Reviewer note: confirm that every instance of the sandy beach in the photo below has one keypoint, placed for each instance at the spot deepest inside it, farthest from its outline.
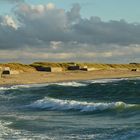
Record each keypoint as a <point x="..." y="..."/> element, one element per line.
<point x="46" y="77"/>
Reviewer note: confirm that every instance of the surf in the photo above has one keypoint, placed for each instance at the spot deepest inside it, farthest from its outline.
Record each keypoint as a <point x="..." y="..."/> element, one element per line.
<point x="71" y="84"/>
<point x="57" y="104"/>
<point x="104" y="81"/>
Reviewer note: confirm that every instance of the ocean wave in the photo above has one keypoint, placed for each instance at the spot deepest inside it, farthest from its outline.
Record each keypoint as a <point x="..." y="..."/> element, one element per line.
<point x="57" y="104"/>
<point x="102" y="81"/>
<point x="22" y="86"/>
<point x="129" y="135"/>
<point x="14" y="87"/>
<point x="81" y="137"/>
<point x="68" y="84"/>
<point x="8" y="133"/>
<point x="71" y="84"/>
<point x="5" y="131"/>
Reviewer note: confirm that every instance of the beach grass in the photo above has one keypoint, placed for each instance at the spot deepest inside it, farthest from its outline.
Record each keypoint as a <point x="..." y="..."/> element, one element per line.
<point x="65" y="65"/>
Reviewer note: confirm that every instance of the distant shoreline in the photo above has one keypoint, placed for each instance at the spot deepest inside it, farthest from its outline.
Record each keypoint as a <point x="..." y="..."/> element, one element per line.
<point x="52" y="77"/>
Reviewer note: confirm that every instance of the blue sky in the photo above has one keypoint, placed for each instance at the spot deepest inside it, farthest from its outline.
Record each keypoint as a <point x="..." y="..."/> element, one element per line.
<point x="105" y="31"/>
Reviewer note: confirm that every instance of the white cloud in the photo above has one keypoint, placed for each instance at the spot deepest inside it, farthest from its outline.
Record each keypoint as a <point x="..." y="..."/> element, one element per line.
<point x="39" y="8"/>
<point x="50" y="6"/>
<point x="48" y="32"/>
<point x="9" y="21"/>
<point x="55" y="44"/>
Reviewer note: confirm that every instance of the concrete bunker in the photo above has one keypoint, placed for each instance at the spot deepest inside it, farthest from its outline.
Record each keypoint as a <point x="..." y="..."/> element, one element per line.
<point x="5" y="71"/>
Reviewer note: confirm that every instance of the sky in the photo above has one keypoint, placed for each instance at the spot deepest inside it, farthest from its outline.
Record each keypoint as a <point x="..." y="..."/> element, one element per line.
<point x="98" y="31"/>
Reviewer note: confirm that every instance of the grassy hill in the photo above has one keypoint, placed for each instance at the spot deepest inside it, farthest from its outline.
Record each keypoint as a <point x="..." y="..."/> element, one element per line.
<point x="19" y="67"/>
<point x="95" y="65"/>
<point x="32" y="67"/>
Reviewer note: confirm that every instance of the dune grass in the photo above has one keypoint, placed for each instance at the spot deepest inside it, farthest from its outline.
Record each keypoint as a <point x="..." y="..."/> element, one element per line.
<point x="65" y="65"/>
<point x="90" y="65"/>
<point x="19" y="67"/>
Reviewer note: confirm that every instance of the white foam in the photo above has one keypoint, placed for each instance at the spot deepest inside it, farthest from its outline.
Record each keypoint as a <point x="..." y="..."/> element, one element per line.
<point x="72" y="84"/>
<point x="14" y="87"/>
<point x="81" y="136"/>
<point x="106" y="80"/>
<point x="9" y="133"/>
<point x="4" y="88"/>
<point x="22" y="87"/>
<point x="57" y="104"/>
<point x="5" y="131"/>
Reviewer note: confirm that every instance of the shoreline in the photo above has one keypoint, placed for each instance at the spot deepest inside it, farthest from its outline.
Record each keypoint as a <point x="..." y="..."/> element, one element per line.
<point x="44" y="77"/>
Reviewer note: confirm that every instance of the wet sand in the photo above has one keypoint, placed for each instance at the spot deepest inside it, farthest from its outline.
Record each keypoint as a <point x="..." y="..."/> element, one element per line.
<point x="46" y="77"/>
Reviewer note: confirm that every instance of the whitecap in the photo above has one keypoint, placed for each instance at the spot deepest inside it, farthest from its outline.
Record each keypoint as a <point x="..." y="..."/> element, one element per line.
<point x="106" y="80"/>
<point x="13" y="87"/>
<point x="5" y="131"/>
<point x="71" y="84"/>
<point x="22" y="86"/>
<point x="57" y="104"/>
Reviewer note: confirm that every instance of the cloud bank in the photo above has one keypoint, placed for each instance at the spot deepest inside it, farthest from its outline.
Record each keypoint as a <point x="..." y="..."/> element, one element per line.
<point x="45" y="32"/>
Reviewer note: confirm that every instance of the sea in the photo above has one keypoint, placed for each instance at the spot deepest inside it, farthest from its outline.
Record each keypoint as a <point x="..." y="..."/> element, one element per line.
<point x="104" y="109"/>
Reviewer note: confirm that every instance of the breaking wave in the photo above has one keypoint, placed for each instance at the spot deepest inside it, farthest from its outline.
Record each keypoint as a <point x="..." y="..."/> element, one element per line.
<point x="22" y="86"/>
<point x="72" y="84"/>
<point x="6" y="131"/>
<point x="107" y="80"/>
<point x="68" y="84"/>
<point x="14" y="87"/>
<point x="57" y="104"/>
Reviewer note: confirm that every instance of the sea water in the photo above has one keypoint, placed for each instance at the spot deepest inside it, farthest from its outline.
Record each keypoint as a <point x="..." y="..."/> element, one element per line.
<point x="105" y="109"/>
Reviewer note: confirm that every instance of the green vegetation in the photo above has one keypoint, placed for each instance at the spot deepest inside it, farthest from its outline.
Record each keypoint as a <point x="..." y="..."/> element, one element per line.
<point x="32" y="67"/>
